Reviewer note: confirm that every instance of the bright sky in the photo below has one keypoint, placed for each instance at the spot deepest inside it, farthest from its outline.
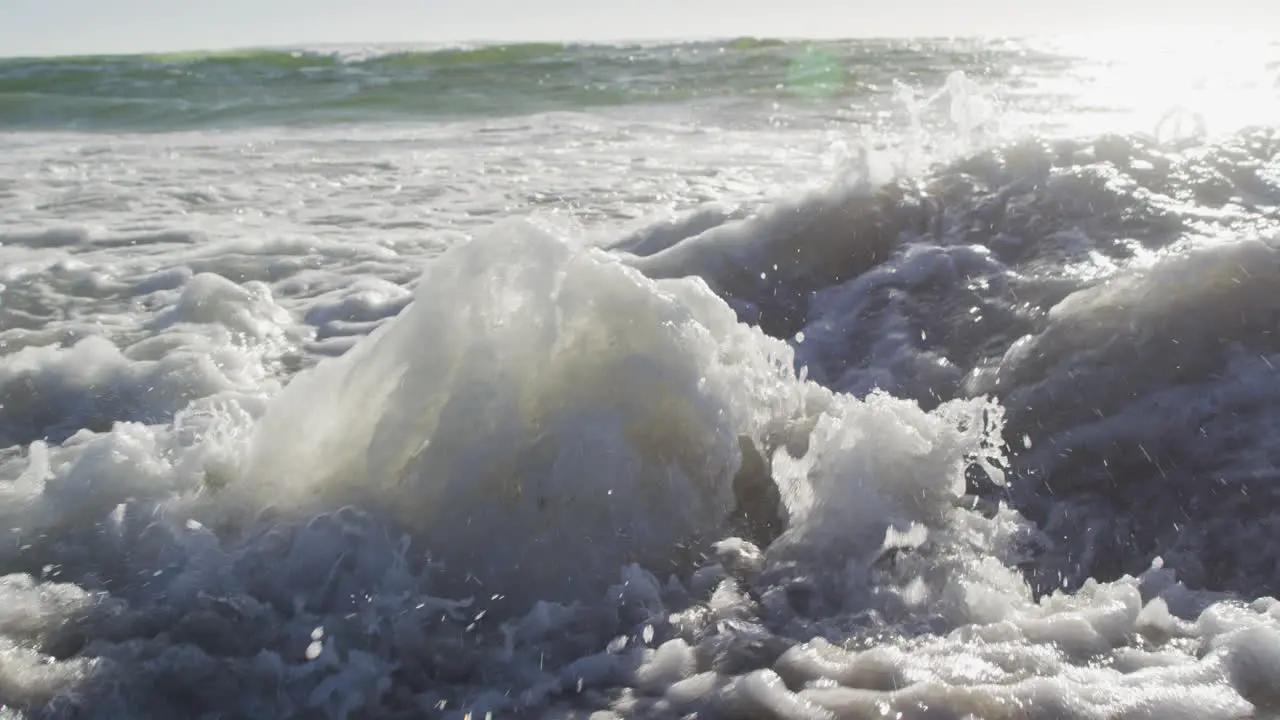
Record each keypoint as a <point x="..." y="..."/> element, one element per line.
<point x="59" y="27"/>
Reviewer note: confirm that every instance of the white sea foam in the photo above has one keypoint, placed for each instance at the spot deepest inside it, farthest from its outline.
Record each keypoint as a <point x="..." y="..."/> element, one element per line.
<point x="548" y="478"/>
<point x="486" y="422"/>
<point x="489" y="417"/>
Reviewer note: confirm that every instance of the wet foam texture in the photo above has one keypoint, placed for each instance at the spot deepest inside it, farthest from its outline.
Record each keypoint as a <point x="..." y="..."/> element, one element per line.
<point x="538" y="417"/>
<point x="558" y="481"/>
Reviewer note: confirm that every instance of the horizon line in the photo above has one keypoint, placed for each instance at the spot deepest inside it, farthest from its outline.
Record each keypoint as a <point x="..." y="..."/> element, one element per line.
<point x="476" y="43"/>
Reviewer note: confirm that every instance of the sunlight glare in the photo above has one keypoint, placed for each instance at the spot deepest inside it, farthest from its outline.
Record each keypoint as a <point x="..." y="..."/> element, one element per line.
<point x="1173" y="85"/>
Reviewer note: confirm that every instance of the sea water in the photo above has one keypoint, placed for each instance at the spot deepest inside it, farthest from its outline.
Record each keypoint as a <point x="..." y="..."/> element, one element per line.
<point x="724" y="379"/>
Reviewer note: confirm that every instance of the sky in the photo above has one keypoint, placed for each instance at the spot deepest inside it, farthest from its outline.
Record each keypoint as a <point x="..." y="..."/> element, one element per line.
<point x="66" y="27"/>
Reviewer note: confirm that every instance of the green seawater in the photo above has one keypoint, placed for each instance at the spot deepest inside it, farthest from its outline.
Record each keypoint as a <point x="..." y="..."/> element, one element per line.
<point x="177" y="91"/>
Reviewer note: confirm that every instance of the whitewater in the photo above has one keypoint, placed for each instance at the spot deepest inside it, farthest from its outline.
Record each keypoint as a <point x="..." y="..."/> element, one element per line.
<point x="723" y="379"/>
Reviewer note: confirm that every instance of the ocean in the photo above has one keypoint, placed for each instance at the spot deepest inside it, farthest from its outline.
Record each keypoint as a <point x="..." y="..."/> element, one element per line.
<point x="716" y="379"/>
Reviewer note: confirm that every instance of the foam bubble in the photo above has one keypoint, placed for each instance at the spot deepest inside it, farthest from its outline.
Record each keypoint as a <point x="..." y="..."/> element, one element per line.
<point x="490" y="419"/>
<point x="553" y="484"/>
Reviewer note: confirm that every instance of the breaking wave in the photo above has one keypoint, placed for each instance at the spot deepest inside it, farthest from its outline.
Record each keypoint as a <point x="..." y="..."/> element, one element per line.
<point x="995" y="441"/>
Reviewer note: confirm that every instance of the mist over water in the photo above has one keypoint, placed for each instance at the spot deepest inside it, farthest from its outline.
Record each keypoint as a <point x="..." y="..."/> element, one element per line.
<point x="730" y="380"/>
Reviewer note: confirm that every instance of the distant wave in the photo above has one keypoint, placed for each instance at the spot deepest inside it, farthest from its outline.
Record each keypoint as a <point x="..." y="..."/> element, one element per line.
<point x="292" y="86"/>
<point x="479" y="51"/>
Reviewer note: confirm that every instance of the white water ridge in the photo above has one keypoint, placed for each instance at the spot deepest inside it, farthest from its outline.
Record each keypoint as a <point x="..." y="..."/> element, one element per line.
<point x="490" y="419"/>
